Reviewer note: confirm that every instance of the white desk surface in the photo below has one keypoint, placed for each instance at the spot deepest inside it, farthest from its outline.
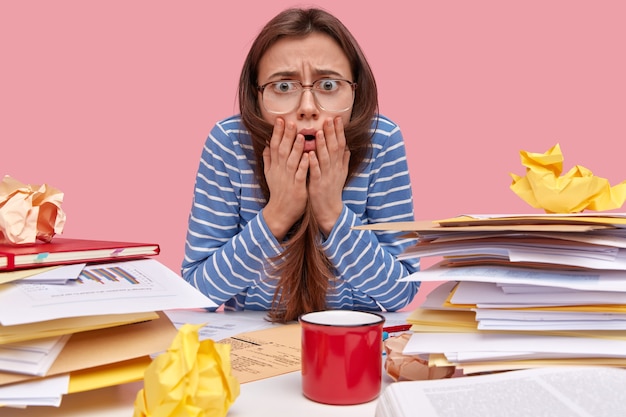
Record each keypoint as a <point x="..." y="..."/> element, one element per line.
<point x="277" y="396"/>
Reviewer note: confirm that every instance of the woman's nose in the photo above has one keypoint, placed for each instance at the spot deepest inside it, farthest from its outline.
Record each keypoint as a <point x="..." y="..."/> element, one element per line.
<point x="308" y="104"/>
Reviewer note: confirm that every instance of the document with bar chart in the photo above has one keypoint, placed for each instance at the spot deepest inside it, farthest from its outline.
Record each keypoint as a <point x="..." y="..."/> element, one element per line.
<point x="108" y="288"/>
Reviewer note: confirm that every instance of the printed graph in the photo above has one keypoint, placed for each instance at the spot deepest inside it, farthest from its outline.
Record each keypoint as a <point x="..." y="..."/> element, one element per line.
<point x="104" y="275"/>
<point x="98" y="281"/>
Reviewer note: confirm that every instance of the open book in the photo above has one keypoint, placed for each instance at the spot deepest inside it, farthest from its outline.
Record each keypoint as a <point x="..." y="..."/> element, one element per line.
<point x="587" y="391"/>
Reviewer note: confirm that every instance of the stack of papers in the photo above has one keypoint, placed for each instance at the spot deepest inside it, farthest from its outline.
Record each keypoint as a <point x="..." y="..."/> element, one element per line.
<point x="521" y="291"/>
<point x="68" y="326"/>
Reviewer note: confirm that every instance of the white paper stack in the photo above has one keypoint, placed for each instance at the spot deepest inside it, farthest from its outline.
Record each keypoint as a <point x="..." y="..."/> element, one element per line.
<point x="521" y="291"/>
<point x="85" y="326"/>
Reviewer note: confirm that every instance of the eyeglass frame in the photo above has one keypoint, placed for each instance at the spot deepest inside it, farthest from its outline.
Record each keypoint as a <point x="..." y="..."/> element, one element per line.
<point x="352" y="84"/>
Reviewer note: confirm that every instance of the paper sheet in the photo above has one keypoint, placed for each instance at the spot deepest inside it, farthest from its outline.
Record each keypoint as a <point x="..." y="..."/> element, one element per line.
<point x="485" y="294"/>
<point x="31" y="358"/>
<point x="135" y="286"/>
<point x="557" y="280"/>
<point x="191" y="378"/>
<point x="41" y="329"/>
<point x="265" y="353"/>
<point x="10" y="276"/>
<point x="578" y="190"/>
<point x="56" y="275"/>
<point x="40" y="392"/>
<point x="467" y="343"/>
<point x="219" y="325"/>
<point x="29" y="212"/>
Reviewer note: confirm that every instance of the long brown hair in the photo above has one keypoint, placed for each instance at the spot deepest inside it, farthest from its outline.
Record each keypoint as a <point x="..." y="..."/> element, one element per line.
<point x="304" y="272"/>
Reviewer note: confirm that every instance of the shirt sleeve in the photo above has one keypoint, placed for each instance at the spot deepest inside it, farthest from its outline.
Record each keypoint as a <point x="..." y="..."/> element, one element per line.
<point x="225" y="256"/>
<point x="367" y="259"/>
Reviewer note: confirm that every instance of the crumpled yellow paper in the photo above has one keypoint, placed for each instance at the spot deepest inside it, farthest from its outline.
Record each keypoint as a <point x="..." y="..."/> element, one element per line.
<point x="190" y="379"/>
<point x="402" y="367"/>
<point x="29" y="212"/>
<point x="543" y="186"/>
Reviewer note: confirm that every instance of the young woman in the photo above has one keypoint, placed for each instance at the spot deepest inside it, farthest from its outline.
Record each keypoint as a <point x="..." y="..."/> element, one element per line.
<point x="281" y="185"/>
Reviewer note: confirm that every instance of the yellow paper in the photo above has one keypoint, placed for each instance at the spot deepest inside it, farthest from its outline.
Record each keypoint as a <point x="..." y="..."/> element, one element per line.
<point x="578" y="190"/>
<point x="29" y="212"/>
<point x="108" y="375"/>
<point x="460" y="321"/>
<point x="69" y="325"/>
<point x="191" y="378"/>
<point x="427" y="318"/>
<point x="439" y="359"/>
<point x="10" y="276"/>
<point x="90" y="349"/>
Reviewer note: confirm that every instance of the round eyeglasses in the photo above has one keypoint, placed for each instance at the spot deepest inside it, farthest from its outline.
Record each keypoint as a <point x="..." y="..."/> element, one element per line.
<point x="333" y="95"/>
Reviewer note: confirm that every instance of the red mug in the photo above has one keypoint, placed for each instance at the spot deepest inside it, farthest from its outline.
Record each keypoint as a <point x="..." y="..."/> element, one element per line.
<point x="341" y="356"/>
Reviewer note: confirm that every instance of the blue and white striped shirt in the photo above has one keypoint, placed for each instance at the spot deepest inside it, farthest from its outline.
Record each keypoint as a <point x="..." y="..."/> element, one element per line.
<point x="228" y="244"/>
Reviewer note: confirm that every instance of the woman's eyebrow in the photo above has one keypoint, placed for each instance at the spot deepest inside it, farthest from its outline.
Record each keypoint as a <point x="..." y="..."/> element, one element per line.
<point x="328" y="72"/>
<point x="283" y="74"/>
<point x="296" y="74"/>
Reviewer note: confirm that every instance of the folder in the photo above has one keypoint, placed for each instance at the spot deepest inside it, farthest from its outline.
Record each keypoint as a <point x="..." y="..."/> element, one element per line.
<point x="601" y="219"/>
<point x="108" y="375"/>
<point x="62" y="251"/>
<point x="112" y="345"/>
<point x="69" y="325"/>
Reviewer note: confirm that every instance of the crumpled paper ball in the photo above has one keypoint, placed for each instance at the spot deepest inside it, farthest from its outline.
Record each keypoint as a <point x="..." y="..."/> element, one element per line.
<point x="190" y="379"/>
<point x="543" y="186"/>
<point x="402" y="367"/>
<point x="29" y="212"/>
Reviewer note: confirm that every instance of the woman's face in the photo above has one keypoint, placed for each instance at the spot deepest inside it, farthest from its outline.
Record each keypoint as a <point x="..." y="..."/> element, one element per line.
<point x="307" y="60"/>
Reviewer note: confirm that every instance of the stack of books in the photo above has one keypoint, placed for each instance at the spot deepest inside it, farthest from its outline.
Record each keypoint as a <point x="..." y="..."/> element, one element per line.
<point x="520" y="291"/>
<point x="79" y="314"/>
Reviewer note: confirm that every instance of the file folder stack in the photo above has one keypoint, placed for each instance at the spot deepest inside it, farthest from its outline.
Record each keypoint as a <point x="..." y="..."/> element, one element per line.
<point x="77" y="315"/>
<point x="521" y="291"/>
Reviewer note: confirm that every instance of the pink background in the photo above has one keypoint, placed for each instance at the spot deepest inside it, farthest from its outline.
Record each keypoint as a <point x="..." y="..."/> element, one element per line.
<point x="111" y="101"/>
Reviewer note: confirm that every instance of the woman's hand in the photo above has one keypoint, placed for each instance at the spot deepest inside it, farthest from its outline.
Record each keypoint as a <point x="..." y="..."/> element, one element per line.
<point x="285" y="169"/>
<point x="328" y="173"/>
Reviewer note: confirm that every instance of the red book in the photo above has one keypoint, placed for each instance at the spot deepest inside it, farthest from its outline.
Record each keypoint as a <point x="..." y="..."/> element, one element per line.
<point x="62" y="251"/>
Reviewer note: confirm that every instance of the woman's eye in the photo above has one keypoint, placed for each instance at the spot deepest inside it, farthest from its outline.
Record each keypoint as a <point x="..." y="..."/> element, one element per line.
<point x="283" y="87"/>
<point x="328" y="85"/>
